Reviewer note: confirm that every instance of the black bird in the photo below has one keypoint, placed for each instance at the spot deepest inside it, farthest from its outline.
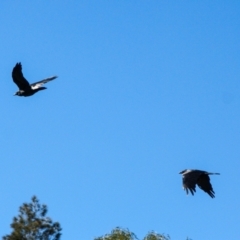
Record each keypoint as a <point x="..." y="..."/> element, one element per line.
<point x="201" y="178"/>
<point x="26" y="89"/>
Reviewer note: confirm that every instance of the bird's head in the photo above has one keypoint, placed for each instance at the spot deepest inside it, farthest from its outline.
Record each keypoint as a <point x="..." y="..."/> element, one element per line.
<point x="183" y="171"/>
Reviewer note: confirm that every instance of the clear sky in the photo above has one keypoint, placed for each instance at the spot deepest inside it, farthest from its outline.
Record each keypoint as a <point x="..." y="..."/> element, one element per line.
<point x="145" y="90"/>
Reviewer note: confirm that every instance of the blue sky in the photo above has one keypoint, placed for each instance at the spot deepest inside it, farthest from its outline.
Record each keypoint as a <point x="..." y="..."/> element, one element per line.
<point x="145" y="90"/>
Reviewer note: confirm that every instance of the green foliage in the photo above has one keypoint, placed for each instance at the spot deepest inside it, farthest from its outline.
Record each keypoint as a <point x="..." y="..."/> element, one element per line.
<point x="156" y="236"/>
<point x="125" y="234"/>
<point x="118" y="234"/>
<point x="32" y="224"/>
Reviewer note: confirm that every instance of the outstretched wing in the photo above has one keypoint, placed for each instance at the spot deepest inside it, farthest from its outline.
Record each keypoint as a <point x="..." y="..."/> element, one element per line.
<point x="37" y="85"/>
<point x="189" y="182"/>
<point x="204" y="183"/>
<point x="19" y="79"/>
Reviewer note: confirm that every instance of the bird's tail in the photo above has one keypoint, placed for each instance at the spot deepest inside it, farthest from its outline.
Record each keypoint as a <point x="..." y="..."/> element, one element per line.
<point x="50" y="78"/>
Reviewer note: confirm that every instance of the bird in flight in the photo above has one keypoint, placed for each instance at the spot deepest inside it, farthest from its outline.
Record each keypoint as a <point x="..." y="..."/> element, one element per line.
<point x="201" y="178"/>
<point x="26" y="89"/>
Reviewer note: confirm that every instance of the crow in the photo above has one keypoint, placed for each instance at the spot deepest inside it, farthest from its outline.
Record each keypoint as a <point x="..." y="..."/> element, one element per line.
<point x="192" y="177"/>
<point x="26" y="89"/>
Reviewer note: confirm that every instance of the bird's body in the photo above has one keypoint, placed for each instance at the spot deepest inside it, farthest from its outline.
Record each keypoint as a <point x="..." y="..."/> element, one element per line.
<point x="201" y="178"/>
<point x="26" y="89"/>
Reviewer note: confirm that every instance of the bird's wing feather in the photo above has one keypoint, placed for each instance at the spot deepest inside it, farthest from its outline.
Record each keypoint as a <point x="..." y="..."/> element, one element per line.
<point x="18" y="77"/>
<point x="189" y="182"/>
<point x="204" y="183"/>
<point x="38" y="84"/>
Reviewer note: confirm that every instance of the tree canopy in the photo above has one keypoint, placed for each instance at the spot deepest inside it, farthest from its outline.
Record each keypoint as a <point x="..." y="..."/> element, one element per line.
<point x="32" y="223"/>
<point x="125" y="234"/>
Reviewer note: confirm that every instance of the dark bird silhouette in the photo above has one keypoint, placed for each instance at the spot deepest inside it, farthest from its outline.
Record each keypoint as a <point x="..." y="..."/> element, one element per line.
<point x="201" y="178"/>
<point x="26" y="89"/>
